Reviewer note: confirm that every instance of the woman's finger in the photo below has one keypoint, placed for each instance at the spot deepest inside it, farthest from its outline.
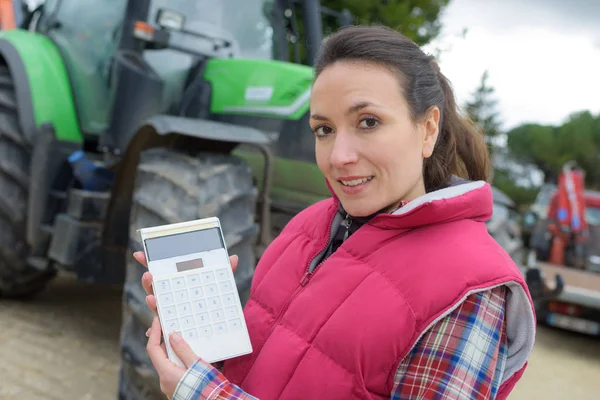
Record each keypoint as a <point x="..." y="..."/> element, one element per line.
<point x="182" y="349"/>
<point x="147" y="282"/>
<point x="157" y="354"/>
<point x="234" y="260"/>
<point x="151" y="302"/>
<point x="141" y="258"/>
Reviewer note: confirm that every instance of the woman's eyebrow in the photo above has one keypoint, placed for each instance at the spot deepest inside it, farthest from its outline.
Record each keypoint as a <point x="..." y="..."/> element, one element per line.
<point x="318" y="117"/>
<point x="351" y="110"/>
<point x="357" y="107"/>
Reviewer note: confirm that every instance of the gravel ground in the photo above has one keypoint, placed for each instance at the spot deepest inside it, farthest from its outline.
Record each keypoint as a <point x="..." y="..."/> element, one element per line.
<point x="65" y="344"/>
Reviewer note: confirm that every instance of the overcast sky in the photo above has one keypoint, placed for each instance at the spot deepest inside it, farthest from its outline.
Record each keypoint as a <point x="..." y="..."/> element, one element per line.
<point x="543" y="56"/>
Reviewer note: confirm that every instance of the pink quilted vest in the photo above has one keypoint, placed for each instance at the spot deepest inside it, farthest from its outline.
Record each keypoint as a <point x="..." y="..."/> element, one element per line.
<point x="341" y="331"/>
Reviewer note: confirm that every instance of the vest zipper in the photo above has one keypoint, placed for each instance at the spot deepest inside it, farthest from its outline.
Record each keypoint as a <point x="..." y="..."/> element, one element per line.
<point x="305" y="278"/>
<point x="308" y="274"/>
<point x="347" y="222"/>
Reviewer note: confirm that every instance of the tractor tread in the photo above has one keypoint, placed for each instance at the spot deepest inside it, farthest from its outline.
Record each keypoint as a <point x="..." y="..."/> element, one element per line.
<point x="17" y="278"/>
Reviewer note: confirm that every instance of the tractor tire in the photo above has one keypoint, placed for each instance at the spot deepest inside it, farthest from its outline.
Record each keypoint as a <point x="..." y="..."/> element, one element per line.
<point x="173" y="187"/>
<point x="18" y="280"/>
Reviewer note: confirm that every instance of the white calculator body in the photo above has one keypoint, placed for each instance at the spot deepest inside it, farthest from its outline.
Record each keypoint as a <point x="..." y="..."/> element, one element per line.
<point x="195" y="289"/>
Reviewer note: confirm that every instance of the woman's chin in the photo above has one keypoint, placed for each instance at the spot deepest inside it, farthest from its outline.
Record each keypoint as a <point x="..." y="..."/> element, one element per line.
<point x="359" y="208"/>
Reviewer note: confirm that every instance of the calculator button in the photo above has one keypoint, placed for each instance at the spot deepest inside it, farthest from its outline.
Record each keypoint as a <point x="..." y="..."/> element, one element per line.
<point x="202" y="318"/>
<point x="186" y="322"/>
<point x="181" y="295"/>
<point x="200" y="305"/>
<point x="221" y="327"/>
<point x="190" y="334"/>
<point x="184" y="309"/>
<point x="225" y="286"/>
<point x="162" y="286"/>
<point x="205" y="331"/>
<point x="196" y="293"/>
<point x="217" y="315"/>
<point x="169" y="312"/>
<point x="214" y="302"/>
<point x="235" y="324"/>
<point x="166" y="299"/>
<point x="222" y="274"/>
<point x="211" y="290"/>
<point x="172" y="325"/>
<point x="193" y="280"/>
<point x="231" y="312"/>
<point x="228" y="299"/>
<point x="178" y="283"/>
<point x="208" y="277"/>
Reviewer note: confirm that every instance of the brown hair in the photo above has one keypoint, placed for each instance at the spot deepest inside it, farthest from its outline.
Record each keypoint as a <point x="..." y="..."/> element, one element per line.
<point x="460" y="148"/>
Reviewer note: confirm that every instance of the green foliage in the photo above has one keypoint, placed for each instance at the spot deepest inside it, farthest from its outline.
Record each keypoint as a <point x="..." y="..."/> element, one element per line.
<point x="522" y="196"/>
<point x="417" y="19"/>
<point x="549" y="147"/>
<point x="482" y="110"/>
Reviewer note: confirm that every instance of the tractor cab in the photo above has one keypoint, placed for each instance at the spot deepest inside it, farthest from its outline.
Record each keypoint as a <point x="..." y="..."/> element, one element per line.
<point x="156" y="49"/>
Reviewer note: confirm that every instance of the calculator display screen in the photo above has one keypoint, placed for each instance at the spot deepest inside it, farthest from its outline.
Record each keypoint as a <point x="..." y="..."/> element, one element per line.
<point x="182" y="244"/>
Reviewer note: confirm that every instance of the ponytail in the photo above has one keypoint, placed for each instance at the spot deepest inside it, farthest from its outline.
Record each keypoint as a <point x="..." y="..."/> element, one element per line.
<point x="460" y="149"/>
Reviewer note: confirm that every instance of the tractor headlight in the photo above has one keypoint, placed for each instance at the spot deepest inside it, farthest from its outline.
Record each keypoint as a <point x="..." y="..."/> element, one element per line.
<point x="169" y="19"/>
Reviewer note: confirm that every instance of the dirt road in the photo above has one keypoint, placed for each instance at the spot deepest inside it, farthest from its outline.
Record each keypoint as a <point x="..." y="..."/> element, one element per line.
<point x="62" y="345"/>
<point x="65" y="345"/>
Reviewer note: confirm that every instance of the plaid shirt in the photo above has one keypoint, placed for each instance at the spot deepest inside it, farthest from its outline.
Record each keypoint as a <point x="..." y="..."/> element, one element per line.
<point x="461" y="357"/>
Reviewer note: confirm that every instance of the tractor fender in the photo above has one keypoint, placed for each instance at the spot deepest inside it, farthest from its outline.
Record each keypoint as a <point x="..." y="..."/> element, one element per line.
<point x="182" y="133"/>
<point x="42" y="85"/>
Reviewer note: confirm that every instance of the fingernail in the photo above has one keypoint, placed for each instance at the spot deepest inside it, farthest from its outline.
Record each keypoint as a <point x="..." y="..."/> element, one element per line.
<point x="176" y="336"/>
<point x="148" y="332"/>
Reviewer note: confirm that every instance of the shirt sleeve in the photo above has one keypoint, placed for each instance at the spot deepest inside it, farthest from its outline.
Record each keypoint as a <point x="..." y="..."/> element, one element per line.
<point x="462" y="356"/>
<point x="203" y="381"/>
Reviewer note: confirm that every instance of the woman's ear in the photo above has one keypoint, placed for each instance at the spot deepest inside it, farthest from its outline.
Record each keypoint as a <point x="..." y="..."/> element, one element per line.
<point x="431" y="129"/>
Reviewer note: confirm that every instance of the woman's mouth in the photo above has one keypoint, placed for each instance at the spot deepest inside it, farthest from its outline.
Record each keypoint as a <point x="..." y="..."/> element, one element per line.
<point x="354" y="184"/>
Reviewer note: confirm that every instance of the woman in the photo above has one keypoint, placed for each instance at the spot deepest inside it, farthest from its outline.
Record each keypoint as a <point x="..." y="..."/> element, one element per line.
<point x="392" y="288"/>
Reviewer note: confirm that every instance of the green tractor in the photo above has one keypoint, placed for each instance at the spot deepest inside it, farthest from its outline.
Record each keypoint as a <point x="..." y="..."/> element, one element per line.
<point x="121" y="114"/>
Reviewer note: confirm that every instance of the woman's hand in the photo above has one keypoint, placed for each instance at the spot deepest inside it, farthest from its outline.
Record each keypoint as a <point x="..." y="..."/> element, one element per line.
<point x="169" y="373"/>
<point x="147" y="278"/>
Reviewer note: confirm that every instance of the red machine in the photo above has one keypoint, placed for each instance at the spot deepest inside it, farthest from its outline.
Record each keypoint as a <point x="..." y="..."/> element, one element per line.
<point x="7" y="15"/>
<point x="567" y="216"/>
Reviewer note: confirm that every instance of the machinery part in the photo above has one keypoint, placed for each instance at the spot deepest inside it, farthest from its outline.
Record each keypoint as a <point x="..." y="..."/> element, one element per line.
<point x="173" y="187"/>
<point x="8" y="15"/>
<point x="41" y="84"/>
<point x="17" y="278"/>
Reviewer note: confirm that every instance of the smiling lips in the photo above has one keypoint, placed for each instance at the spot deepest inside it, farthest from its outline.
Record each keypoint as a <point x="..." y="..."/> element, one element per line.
<point x="354" y="184"/>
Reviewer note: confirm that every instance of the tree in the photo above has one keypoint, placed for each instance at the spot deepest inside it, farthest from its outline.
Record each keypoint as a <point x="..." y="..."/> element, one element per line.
<point x="482" y="110"/>
<point x="549" y="147"/>
<point x="416" y="19"/>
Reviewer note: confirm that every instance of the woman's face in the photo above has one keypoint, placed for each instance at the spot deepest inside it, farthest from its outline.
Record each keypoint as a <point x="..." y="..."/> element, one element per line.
<point x="367" y="146"/>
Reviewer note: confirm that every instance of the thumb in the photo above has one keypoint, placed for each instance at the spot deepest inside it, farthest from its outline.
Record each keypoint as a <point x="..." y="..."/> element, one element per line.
<point x="182" y="349"/>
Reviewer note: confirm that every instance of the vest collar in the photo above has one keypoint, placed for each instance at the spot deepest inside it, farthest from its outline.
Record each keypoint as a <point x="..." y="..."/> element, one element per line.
<point x="459" y="199"/>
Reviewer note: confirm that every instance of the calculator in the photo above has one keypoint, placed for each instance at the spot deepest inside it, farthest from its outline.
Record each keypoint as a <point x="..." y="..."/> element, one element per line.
<point x="195" y="290"/>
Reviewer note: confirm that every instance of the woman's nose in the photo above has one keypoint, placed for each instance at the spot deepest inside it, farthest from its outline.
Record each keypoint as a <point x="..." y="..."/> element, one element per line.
<point x="344" y="151"/>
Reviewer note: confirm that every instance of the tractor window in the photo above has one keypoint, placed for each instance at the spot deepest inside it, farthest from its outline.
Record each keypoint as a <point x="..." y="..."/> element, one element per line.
<point x="87" y="36"/>
<point x="245" y="22"/>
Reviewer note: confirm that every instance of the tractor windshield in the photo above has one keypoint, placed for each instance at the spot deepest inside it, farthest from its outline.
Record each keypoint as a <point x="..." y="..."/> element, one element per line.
<point x="246" y="22"/>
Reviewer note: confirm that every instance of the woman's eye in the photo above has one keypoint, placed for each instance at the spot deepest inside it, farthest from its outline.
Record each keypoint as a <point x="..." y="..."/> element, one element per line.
<point x="323" y="130"/>
<point x="368" y="123"/>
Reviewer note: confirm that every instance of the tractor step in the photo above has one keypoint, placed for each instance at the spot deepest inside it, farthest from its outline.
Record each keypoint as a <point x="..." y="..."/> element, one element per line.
<point x="72" y="239"/>
<point x="86" y="205"/>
